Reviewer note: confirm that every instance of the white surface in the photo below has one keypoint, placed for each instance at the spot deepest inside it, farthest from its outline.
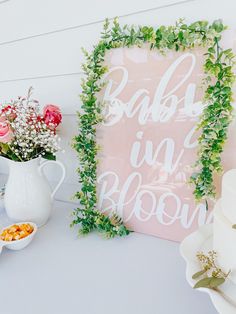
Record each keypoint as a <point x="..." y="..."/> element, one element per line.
<point x="201" y="240"/>
<point x="48" y="50"/>
<point x="61" y="274"/>
<point x="224" y="240"/>
<point x="228" y="198"/>
<point x="69" y="13"/>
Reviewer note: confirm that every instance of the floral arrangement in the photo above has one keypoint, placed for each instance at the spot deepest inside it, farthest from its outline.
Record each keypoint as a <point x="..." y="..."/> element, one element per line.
<point x="211" y="275"/>
<point x="25" y="132"/>
<point x="214" y="122"/>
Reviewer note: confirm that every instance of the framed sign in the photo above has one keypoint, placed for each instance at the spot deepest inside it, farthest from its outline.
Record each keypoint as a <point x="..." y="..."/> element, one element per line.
<point x="147" y="129"/>
<point x="149" y="141"/>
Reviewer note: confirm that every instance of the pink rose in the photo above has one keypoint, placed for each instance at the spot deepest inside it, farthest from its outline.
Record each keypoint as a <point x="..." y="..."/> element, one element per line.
<point x="6" y="133"/>
<point x="52" y="116"/>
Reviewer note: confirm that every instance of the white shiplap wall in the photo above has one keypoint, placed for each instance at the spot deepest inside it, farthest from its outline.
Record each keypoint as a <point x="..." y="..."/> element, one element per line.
<point x="40" y="46"/>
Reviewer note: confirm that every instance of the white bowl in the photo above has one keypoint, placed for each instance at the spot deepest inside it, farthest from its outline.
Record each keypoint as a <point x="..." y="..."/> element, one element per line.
<point x="201" y="240"/>
<point x="19" y="244"/>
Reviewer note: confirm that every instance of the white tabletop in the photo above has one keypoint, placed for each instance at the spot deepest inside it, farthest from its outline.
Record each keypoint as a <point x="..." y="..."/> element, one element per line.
<point x="61" y="274"/>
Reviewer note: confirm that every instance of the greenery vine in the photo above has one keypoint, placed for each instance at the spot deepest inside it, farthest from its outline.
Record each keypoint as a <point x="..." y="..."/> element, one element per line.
<point x="214" y="121"/>
<point x="216" y="116"/>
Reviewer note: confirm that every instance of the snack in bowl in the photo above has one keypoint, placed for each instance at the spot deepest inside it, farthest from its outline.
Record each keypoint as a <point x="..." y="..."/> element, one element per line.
<point x="18" y="235"/>
<point x="16" y="232"/>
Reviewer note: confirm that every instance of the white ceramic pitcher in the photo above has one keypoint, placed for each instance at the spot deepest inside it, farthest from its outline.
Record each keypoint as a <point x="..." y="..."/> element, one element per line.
<point x="28" y="195"/>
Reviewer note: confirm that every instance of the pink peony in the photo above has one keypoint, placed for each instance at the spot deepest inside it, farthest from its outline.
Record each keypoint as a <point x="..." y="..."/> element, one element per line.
<point x="6" y="133"/>
<point x="52" y="116"/>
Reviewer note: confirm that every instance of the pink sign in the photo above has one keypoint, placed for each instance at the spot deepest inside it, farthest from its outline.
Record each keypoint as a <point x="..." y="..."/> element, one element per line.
<point x="148" y="141"/>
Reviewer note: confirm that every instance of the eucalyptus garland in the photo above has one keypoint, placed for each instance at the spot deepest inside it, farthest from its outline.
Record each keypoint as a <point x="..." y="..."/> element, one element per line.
<point x="214" y="121"/>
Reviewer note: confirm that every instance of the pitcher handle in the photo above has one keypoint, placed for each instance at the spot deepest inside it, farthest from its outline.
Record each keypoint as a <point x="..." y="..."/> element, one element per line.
<point x="62" y="176"/>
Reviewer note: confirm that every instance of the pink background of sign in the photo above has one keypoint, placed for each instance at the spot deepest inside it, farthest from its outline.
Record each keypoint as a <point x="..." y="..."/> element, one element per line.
<point x="178" y="214"/>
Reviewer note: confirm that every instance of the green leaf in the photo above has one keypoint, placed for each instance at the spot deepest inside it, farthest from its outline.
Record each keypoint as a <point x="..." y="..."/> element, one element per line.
<point x="49" y="156"/>
<point x="211" y="50"/>
<point x="215" y="282"/>
<point x="198" y="274"/>
<point x="4" y="148"/>
<point x="218" y="26"/>
<point x="203" y="283"/>
<point x="181" y="35"/>
<point x="209" y="282"/>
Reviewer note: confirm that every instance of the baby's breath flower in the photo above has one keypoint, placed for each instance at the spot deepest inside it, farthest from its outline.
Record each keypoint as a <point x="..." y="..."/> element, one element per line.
<point x="32" y="136"/>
